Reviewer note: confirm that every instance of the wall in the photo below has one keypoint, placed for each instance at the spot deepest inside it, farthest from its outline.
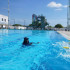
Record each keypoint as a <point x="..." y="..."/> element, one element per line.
<point x="3" y="19"/>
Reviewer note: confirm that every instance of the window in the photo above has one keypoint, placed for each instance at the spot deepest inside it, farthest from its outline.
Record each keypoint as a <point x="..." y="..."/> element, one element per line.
<point x="2" y="19"/>
<point x="5" y="20"/>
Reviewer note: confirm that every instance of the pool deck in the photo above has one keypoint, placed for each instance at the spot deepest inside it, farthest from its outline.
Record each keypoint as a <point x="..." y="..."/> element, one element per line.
<point x="66" y="34"/>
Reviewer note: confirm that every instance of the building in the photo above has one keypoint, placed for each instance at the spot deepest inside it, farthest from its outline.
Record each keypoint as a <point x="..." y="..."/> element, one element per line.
<point x="3" y="21"/>
<point x="29" y="28"/>
<point x="20" y="27"/>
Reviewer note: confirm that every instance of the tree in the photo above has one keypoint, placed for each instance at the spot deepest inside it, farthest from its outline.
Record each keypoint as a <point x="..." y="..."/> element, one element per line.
<point x="50" y="26"/>
<point x="39" y="25"/>
<point x="46" y="23"/>
<point x="30" y="24"/>
<point x="39" y="22"/>
<point x="17" y="25"/>
<point x="58" y="26"/>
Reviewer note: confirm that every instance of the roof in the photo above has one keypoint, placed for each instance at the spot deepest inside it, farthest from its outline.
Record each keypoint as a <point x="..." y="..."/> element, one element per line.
<point x="3" y="15"/>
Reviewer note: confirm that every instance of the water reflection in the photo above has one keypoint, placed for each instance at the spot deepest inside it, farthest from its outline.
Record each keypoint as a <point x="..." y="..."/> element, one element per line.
<point x="3" y="30"/>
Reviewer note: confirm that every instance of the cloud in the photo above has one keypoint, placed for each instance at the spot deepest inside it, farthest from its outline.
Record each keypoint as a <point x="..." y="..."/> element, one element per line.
<point x="54" y="5"/>
<point x="57" y="6"/>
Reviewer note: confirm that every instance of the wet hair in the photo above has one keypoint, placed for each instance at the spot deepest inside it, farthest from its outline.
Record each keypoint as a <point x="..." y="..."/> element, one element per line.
<point x="26" y="41"/>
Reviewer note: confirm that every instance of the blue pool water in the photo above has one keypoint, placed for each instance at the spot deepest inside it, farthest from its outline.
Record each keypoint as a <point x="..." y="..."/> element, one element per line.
<point x="49" y="54"/>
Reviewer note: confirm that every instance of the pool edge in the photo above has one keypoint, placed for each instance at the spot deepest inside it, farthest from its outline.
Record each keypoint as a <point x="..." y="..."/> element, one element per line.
<point x="63" y="34"/>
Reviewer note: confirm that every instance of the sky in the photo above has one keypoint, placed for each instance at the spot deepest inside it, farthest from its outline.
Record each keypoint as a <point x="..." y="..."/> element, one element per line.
<point x="55" y="11"/>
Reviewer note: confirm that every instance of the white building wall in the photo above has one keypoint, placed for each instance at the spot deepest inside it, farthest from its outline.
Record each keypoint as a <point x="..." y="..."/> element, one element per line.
<point x="19" y="27"/>
<point x="3" y="19"/>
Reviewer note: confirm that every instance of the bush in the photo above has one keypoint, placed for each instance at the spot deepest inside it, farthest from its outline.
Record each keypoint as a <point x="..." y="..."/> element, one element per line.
<point x="58" y="26"/>
<point x="17" y="25"/>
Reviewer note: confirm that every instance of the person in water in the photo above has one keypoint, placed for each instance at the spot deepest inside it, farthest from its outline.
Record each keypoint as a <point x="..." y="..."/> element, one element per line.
<point x="26" y="41"/>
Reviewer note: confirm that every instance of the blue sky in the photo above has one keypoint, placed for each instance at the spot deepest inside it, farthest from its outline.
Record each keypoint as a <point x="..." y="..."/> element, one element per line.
<point x="55" y="11"/>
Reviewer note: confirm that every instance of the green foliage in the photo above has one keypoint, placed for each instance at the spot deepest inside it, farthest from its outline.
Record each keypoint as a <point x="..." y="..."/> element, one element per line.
<point x="46" y="23"/>
<point x="39" y="25"/>
<point x="17" y="25"/>
<point x="50" y="26"/>
<point x="30" y="24"/>
<point x="58" y="26"/>
<point x="36" y="23"/>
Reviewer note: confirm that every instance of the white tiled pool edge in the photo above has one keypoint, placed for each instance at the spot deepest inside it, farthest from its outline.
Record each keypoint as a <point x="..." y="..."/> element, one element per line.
<point x="66" y="34"/>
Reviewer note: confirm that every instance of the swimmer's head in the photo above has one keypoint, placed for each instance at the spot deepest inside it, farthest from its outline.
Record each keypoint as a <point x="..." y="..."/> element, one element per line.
<point x="26" y="38"/>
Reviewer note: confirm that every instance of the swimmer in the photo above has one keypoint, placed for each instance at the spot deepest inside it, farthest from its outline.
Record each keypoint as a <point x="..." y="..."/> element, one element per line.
<point x="26" y="42"/>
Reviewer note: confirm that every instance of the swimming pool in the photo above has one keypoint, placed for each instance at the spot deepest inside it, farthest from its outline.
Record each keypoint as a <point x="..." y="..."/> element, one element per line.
<point x="49" y="54"/>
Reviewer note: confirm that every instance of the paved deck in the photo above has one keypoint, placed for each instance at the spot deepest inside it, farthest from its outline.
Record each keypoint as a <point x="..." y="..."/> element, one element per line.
<point x="66" y="34"/>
